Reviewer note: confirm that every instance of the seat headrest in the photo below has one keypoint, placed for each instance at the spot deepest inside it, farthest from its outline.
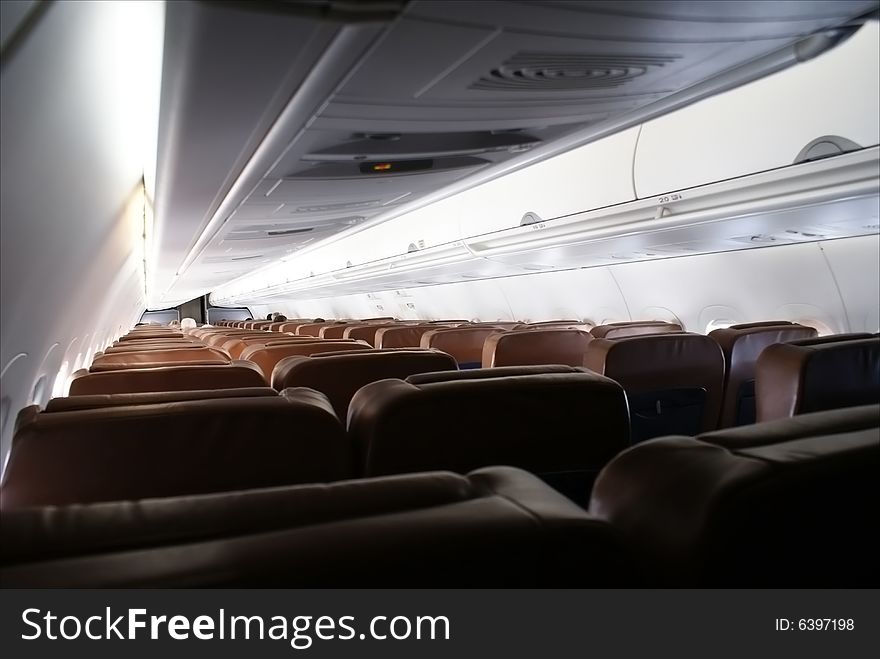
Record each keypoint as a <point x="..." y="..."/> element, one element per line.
<point x="431" y="529"/>
<point x="537" y="346"/>
<point x="634" y="328"/>
<point x="488" y="373"/>
<point x="167" y="378"/>
<point x="71" y="403"/>
<point x="266" y="357"/>
<point x="155" y="358"/>
<point x="172" y="449"/>
<point x="339" y="376"/>
<point x="817" y="374"/>
<point x="812" y="424"/>
<point x="780" y="514"/>
<point x="552" y="422"/>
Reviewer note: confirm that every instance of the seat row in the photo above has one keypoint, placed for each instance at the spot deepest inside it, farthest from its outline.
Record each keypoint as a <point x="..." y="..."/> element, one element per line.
<point x="675" y="381"/>
<point x="785" y="503"/>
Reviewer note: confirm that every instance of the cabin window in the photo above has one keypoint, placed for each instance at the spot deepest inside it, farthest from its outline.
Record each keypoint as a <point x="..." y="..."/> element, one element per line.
<point x="822" y="328"/>
<point x="58" y="389"/>
<point x="720" y="323"/>
<point x="39" y="390"/>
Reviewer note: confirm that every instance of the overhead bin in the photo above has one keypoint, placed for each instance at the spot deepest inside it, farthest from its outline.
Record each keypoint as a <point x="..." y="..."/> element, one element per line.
<point x="830" y="103"/>
<point x="591" y="176"/>
<point x="817" y="200"/>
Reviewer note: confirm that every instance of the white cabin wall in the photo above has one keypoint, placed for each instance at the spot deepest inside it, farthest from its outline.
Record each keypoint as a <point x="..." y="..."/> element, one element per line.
<point x="811" y="283"/>
<point x="75" y="98"/>
<point x="855" y="263"/>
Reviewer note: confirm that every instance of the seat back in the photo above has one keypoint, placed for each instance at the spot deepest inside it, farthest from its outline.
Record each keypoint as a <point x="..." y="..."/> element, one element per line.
<point x="563" y="426"/>
<point x="339" y="376"/>
<point x="365" y="332"/>
<point x="674" y="382"/>
<point x="334" y="331"/>
<point x="741" y="345"/>
<point x="266" y="357"/>
<point x="173" y="449"/>
<point x="817" y="374"/>
<point x="312" y="329"/>
<point x="167" y="378"/>
<point x="402" y="337"/>
<point x="419" y="530"/>
<point x="634" y="328"/>
<point x="783" y="513"/>
<point x="463" y="343"/>
<point x="537" y="346"/>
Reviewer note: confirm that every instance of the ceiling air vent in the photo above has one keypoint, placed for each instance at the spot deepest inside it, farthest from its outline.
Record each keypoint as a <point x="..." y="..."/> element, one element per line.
<point x="530" y="72"/>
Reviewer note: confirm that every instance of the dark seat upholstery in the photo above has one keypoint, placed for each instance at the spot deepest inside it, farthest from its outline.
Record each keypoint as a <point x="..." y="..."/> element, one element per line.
<point x="172" y="449"/>
<point x="167" y="378"/>
<point x="537" y="346"/>
<point x="419" y="530"/>
<point x="339" y="376"/>
<point x="70" y="403"/>
<point x="817" y="374"/>
<point x="673" y="381"/>
<point x="791" y="512"/>
<point x="634" y="328"/>
<point x="741" y="345"/>
<point x="563" y="426"/>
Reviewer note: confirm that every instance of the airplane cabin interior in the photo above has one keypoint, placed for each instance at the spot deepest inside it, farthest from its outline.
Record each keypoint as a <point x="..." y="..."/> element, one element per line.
<point x="365" y="294"/>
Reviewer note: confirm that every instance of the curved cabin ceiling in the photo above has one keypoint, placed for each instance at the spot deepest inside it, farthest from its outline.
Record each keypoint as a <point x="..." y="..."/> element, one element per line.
<point x="283" y="127"/>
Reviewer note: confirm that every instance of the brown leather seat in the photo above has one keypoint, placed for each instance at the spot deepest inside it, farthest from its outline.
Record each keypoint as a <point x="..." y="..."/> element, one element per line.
<point x="791" y="512"/>
<point x="538" y="346"/>
<point x="172" y="449"/>
<point x="674" y="382"/>
<point x="237" y="345"/>
<point x="312" y="329"/>
<point x="291" y="326"/>
<point x="741" y="345"/>
<point x="419" y="530"/>
<point x="167" y="378"/>
<point x="463" y="343"/>
<point x="333" y="331"/>
<point x="152" y="334"/>
<point x="811" y="424"/>
<point x="401" y="337"/>
<point x="633" y="328"/>
<point x="217" y="340"/>
<point x="70" y="403"/>
<point x="339" y="376"/>
<point x="561" y="425"/>
<point x="817" y="374"/>
<point x="267" y="356"/>
<point x="138" y="343"/>
<point x="366" y="332"/>
<point x="154" y="358"/>
<point x="136" y="346"/>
